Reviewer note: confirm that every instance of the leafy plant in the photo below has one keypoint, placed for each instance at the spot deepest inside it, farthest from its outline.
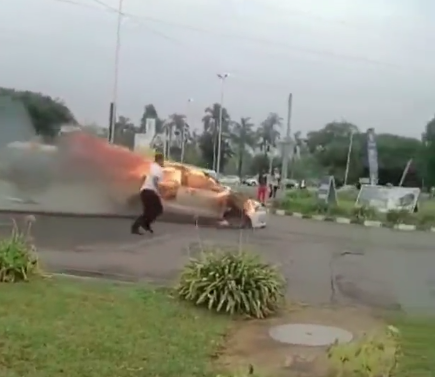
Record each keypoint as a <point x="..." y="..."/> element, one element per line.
<point x="362" y="213"/>
<point x="370" y="356"/>
<point x="321" y="208"/>
<point x="396" y="217"/>
<point x="337" y="210"/>
<point x="427" y="219"/>
<point x="300" y="194"/>
<point x="232" y="282"/>
<point x="17" y="256"/>
<point x="304" y="206"/>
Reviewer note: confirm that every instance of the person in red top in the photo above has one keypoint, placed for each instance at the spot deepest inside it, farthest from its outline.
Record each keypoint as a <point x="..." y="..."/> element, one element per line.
<point x="262" y="187"/>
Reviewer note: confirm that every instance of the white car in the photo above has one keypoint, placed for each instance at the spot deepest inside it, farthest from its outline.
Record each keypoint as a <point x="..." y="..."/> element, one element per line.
<point x="229" y="180"/>
<point x="251" y="182"/>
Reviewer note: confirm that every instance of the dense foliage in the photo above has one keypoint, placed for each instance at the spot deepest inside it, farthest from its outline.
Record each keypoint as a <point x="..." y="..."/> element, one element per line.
<point x="246" y="146"/>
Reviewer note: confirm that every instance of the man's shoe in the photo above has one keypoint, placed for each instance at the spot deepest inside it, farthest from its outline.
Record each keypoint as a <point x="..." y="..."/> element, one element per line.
<point x="136" y="231"/>
<point x="149" y="229"/>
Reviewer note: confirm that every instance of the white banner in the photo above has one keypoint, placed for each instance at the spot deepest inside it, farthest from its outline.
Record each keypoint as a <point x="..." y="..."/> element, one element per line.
<point x="385" y="199"/>
<point x="142" y="141"/>
<point x="150" y="125"/>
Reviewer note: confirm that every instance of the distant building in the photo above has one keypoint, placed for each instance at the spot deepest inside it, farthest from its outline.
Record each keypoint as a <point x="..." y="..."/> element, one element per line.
<point x="15" y="122"/>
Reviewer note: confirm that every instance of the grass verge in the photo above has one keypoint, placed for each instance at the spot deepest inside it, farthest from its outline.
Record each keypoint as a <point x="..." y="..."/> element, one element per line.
<point x="418" y="345"/>
<point x="83" y="328"/>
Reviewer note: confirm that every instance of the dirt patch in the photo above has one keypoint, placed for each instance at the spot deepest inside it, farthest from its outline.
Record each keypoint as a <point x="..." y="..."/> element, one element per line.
<point x="250" y="346"/>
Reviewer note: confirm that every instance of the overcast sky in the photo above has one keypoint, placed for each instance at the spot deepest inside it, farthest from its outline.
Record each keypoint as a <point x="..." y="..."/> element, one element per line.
<point x="370" y="62"/>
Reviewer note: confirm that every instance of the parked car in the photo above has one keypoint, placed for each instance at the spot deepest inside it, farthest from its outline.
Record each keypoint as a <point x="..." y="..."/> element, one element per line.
<point x="229" y="180"/>
<point x="250" y="181"/>
<point x="291" y="183"/>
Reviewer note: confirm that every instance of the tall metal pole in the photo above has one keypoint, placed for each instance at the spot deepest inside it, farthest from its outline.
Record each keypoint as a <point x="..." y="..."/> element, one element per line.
<point x="219" y="148"/>
<point x="183" y="133"/>
<point x="287" y="142"/>
<point x="349" y="153"/>
<point x="214" y="137"/>
<point x="114" y="103"/>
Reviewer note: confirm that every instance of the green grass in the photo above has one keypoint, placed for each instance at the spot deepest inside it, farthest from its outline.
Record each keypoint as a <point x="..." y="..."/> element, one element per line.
<point x="64" y="327"/>
<point x="418" y="343"/>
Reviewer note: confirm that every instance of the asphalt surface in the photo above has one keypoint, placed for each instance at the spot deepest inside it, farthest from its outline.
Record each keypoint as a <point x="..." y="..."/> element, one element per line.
<point x="323" y="262"/>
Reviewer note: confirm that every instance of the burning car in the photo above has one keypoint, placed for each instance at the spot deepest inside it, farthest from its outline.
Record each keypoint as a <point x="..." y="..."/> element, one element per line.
<point x="187" y="191"/>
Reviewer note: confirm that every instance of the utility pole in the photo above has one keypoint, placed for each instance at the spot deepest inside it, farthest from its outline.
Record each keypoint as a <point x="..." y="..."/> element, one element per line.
<point x="287" y="143"/>
<point x="221" y="77"/>
<point x="114" y="103"/>
<point x="349" y="153"/>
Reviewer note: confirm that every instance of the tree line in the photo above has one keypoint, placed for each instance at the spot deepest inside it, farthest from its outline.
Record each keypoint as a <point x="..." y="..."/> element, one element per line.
<point x="248" y="147"/>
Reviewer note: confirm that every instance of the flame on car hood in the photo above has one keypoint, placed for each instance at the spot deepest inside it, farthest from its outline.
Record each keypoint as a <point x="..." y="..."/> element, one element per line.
<point x="125" y="170"/>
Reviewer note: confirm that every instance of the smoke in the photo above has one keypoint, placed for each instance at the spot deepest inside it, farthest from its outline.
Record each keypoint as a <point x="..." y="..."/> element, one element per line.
<point x="80" y="174"/>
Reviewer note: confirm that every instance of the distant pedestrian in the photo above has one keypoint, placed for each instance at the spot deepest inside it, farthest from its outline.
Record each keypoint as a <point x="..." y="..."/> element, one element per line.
<point x="275" y="179"/>
<point x="262" y="186"/>
<point x="150" y="197"/>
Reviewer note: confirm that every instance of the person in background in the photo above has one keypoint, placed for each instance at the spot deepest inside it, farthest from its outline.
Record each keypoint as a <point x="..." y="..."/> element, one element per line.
<point x="303" y="185"/>
<point x="262" y="186"/>
<point x="275" y="178"/>
<point x="150" y="197"/>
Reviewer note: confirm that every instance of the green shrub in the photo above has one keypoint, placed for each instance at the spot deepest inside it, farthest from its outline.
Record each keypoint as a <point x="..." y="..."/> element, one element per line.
<point x="362" y="213"/>
<point x="18" y="261"/>
<point x="426" y="219"/>
<point x="396" y="217"/>
<point x="338" y="211"/>
<point x="232" y="282"/>
<point x="300" y="194"/>
<point x="304" y="206"/>
<point x="350" y="195"/>
<point x="369" y="356"/>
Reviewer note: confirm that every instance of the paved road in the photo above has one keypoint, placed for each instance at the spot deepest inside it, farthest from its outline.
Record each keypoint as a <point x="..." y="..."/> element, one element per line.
<point x="323" y="262"/>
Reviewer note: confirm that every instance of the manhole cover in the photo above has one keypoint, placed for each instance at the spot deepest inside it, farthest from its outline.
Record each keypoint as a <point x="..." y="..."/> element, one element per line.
<point x="309" y="335"/>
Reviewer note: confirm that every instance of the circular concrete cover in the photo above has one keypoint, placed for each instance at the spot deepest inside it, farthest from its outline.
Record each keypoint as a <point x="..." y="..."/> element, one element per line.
<point x="304" y="334"/>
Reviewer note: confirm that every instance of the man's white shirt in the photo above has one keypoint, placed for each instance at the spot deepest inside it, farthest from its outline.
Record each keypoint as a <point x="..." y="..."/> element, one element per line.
<point x="156" y="171"/>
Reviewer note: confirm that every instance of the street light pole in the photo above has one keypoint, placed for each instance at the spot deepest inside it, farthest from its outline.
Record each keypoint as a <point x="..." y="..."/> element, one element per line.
<point x="114" y="103"/>
<point x="183" y="133"/>
<point x="349" y="153"/>
<point x="287" y="143"/>
<point x="221" y="77"/>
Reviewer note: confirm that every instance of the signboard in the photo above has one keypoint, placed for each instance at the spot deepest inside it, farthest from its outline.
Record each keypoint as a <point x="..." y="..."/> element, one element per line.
<point x="142" y="143"/>
<point x="372" y="156"/>
<point x="150" y="126"/>
<point x="327" y="192"/>
<point x="385" y="199"/>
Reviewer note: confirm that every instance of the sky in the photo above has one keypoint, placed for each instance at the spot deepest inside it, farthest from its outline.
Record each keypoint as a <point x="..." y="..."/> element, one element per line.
<point x="368" y="62"/>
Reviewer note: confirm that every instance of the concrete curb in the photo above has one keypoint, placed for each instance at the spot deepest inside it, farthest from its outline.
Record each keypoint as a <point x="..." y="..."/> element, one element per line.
<point x="347" y="221"/>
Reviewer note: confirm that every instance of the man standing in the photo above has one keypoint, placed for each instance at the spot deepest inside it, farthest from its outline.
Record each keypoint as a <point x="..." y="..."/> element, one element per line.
<point x="274" y="183"/>
<point x="150" y="197"/>
<point x="262" y="187"/>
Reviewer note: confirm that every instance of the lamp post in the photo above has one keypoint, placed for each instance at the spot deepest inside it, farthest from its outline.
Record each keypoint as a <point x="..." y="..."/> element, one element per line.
<point x="113" y="104"/>
<point x="222" y="77"/>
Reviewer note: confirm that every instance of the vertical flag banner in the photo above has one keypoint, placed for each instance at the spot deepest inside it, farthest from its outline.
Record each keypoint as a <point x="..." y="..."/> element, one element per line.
<point x="372" y="156"/>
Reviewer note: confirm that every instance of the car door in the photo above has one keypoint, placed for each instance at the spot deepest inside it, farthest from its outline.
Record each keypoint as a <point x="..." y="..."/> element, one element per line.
<point x="197" y="197"/>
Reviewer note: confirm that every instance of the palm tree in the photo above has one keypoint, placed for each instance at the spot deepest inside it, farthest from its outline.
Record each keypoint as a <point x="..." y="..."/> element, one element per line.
<point x="175" y="126"/>
<point x="211" y="117"/>
<point x="269" y="132"/>
<point x="243" y="135"/>
<point x="211" y="121"/>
